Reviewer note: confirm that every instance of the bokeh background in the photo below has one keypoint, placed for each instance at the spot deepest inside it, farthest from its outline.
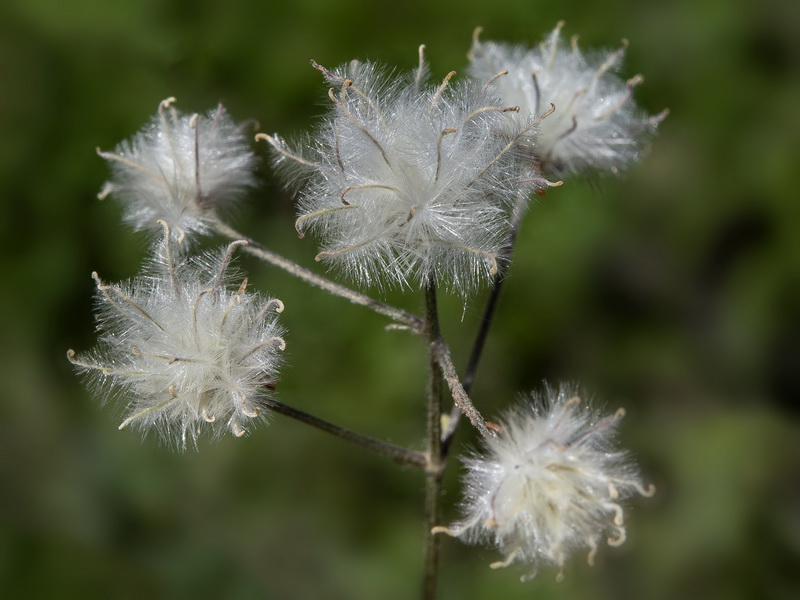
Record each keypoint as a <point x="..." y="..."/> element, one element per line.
<point x="674" y="292"/>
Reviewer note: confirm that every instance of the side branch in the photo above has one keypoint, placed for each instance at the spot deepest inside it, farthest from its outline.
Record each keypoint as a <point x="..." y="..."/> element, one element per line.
<point x="491" y="306"/>
<point x="457" y="391"/>
<point x="399" y="454"/>
<point x="487" y="320"/>
<point x="406" y="319"/>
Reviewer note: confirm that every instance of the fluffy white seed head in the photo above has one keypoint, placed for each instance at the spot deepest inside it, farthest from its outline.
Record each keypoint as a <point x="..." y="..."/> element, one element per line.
<point x="406" y="181"/>
<point x="180" y="169"/>
<point x="183" y="350"/>
<point x="595" y="127"/>
<point x="548" y="484"/>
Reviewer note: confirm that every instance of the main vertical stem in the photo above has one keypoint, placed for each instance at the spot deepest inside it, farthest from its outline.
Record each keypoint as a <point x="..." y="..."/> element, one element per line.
<point x="435" y="467"/>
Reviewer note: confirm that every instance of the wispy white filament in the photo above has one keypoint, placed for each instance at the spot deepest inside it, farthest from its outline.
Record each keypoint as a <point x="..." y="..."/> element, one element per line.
<point x="180" y="169"/>
<point x="596" y="125"/>
<point x="548" y="484"/>
<point x="185" y="352"/>
<point x="406" y="181"/>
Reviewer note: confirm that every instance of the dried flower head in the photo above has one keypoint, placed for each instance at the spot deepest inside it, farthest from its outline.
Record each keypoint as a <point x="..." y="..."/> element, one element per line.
<point x="549" y="483"/>
<point x="185" y="352"/>
<point x="595" y="126"/>
<point x="180" y="169"/>
<point x="407" y="181"/>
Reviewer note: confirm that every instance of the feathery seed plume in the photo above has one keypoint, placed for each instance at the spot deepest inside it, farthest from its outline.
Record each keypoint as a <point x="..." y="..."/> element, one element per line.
<point x="406" y="181"/>
<point x="184" y="351"/>
<point x="548" y="484"/>
<point x="596" y="125"/>
<point x="180" y="169"/>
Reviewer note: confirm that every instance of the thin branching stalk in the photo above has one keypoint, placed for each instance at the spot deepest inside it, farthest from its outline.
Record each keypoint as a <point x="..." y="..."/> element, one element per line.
<point x="461" y="400"/>
<point x="400" y="455"/>
<point x="402" y="317"/>
<point x="486" y="322"/>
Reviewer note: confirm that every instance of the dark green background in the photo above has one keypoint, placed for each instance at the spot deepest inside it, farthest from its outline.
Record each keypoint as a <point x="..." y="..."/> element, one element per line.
<point x="674" y="292"/>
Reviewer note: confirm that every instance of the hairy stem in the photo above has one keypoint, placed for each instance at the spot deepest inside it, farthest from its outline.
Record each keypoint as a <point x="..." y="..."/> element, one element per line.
<point x="402" y="317"/>
<point x="461" y="400"/>
<point x="486" y="322"/>
<point x="400" y="455"/>
<point x="435" y="467"/>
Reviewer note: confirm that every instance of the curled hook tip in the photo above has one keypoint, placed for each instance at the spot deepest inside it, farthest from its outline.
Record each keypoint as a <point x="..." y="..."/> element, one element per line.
<point x="252" y="413"/>
<point x="278" y="304"/>
<point x="107" y="189"/>
<point x="166" y="228"/>
<point x="332" y="96"/>
<point x="281" y="343"/>
<point x="237" y="243"/>
<point x="619" y="540"/>
<point x="637" y="79"/>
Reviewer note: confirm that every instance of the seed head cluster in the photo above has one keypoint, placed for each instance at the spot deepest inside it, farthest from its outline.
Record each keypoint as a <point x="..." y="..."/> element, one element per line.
<point x="595" y="126"/>
<point x="183" y="350"/>
<point x="181" y="169"/>
<point x="548" y="484"/>
<point x="407" y="181"/>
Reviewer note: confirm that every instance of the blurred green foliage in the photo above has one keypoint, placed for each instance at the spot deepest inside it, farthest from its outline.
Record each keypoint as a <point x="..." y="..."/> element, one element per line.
<point x="674" y="292"/>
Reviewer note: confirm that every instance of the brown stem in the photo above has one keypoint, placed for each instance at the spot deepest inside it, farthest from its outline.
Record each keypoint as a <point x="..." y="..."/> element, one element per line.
<point x="435" y="467"/>
<point x="410" y="321"/>
<point x="461" y="400"/>
<point x="400" y="455"/>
